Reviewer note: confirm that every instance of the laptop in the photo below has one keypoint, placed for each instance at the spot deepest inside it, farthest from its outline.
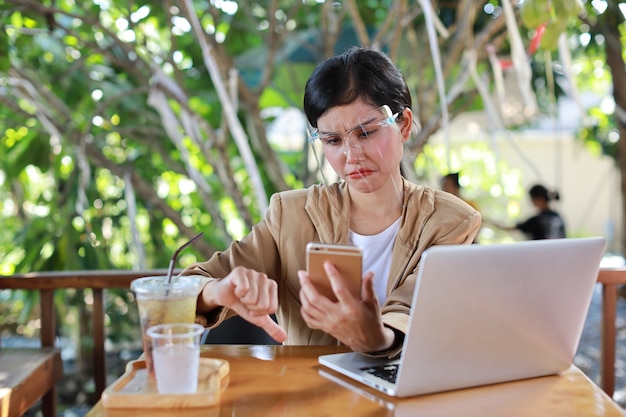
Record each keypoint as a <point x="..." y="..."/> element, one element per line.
<point x="485" y="314"/>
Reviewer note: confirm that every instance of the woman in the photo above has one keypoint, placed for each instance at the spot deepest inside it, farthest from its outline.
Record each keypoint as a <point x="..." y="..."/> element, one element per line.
<point x="547" y="223"/>
<point x="359" y="108"/>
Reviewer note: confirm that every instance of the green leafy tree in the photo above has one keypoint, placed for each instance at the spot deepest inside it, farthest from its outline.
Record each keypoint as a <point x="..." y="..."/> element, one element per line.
<point x="606" y="31"/>
<point x="595" y="31"/>
<point x="129" y="127"/>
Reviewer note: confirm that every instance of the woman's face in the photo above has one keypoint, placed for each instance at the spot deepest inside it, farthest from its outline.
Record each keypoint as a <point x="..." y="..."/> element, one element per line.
<point x="364" y="144"/>
<point x="539" y="202"/>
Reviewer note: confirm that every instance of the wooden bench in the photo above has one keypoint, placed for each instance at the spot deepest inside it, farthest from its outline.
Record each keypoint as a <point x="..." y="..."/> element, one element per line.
<point x="27" y="375"/>
<point x="47" y="282"/>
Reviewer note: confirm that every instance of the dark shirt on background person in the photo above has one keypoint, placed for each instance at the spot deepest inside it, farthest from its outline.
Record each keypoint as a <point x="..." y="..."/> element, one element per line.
<point x="545" y="225"/>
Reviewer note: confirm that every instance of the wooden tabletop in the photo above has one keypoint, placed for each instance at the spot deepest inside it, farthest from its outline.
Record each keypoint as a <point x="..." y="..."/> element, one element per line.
<point x="26" y="375"/>
<point x="288" y="381"/>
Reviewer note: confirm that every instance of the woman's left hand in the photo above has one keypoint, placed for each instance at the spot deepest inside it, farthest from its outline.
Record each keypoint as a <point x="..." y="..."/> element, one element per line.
<point x="356" y="323"/>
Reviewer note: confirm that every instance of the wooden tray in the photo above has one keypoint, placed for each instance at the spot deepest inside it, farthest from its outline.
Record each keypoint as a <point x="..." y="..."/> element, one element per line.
<point x="132" y="389"/>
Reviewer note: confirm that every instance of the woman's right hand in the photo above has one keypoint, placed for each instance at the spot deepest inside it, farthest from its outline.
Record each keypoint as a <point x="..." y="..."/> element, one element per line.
<point x="251" y="294"/>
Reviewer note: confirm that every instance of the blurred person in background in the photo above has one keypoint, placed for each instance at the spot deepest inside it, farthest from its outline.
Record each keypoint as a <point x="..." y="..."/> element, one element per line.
<point x="547" y="223"/>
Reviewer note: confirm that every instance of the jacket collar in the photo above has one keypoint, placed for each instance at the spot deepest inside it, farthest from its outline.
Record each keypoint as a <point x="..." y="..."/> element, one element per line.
<point x="329" y="210"/>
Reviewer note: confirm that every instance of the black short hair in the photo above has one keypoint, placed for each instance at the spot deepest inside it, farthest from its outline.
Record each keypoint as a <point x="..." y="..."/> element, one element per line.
<point x="539" y="191"/>
<point x="454" y="177"/>
<point x="360" y="72"/>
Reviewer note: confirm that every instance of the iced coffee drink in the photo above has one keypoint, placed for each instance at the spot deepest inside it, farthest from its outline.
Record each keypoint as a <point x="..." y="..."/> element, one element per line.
<point x="159" y="302"/>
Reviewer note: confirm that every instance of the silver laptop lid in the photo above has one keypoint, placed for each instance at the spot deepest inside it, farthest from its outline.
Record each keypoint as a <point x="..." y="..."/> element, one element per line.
<point x="483" y="314"/>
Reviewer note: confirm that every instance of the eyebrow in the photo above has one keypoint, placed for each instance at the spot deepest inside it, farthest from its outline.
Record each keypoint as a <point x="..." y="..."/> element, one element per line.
<point x="359" y="126"/>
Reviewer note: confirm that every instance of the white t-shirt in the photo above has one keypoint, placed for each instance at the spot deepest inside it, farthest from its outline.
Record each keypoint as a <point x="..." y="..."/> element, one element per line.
<point x="377" y="251"/>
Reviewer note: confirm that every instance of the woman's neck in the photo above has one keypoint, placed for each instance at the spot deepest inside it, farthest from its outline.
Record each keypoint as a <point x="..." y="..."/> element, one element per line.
<point x="371" y="213"/>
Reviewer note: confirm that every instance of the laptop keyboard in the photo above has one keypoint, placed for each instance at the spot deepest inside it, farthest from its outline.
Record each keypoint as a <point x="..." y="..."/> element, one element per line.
<point x="388" y="372"/>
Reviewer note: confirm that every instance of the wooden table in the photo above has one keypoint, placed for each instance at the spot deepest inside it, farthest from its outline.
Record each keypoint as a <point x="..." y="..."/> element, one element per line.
<point x="26" y="375"/>
<point x="288" y="381"/>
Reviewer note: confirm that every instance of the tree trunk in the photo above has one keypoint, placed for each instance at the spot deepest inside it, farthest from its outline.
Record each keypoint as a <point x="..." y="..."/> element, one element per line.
<point x="609" y="26"/>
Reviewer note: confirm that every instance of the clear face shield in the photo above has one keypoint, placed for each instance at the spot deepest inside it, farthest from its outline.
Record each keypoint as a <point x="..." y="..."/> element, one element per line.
<point x="364" y="137"/>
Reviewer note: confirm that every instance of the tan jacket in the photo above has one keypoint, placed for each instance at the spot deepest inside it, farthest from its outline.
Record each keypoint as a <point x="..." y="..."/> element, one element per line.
<point x="276" y="246"/>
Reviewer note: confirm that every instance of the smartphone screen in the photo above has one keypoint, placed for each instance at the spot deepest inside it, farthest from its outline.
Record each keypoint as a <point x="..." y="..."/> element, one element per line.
<point x="348" y="259"/>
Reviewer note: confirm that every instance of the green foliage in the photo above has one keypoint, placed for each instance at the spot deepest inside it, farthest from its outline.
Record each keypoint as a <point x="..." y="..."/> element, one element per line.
<point x="4" y="51"/>
<point x="602" y="134"/>
<point x="554" y="14"/>
<point x="535" y="13"/>
<point x="91" y="121"/>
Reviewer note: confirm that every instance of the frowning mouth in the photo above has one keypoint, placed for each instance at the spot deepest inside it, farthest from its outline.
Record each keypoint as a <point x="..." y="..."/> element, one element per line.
<point x="359" y="173"/>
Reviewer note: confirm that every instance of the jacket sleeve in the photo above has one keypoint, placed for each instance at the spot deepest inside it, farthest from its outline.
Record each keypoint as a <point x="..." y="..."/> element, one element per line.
<point x="257" y="250"/>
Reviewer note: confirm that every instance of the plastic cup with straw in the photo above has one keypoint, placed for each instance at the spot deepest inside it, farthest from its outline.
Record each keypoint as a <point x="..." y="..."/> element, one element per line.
<point x="165" y="299"/>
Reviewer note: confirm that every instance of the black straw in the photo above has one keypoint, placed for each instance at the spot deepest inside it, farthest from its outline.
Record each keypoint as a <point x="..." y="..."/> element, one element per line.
<point x="175" y="255"/>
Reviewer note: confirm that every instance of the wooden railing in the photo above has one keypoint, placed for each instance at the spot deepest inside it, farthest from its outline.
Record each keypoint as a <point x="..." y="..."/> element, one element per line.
<point x="47" y="282"/>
